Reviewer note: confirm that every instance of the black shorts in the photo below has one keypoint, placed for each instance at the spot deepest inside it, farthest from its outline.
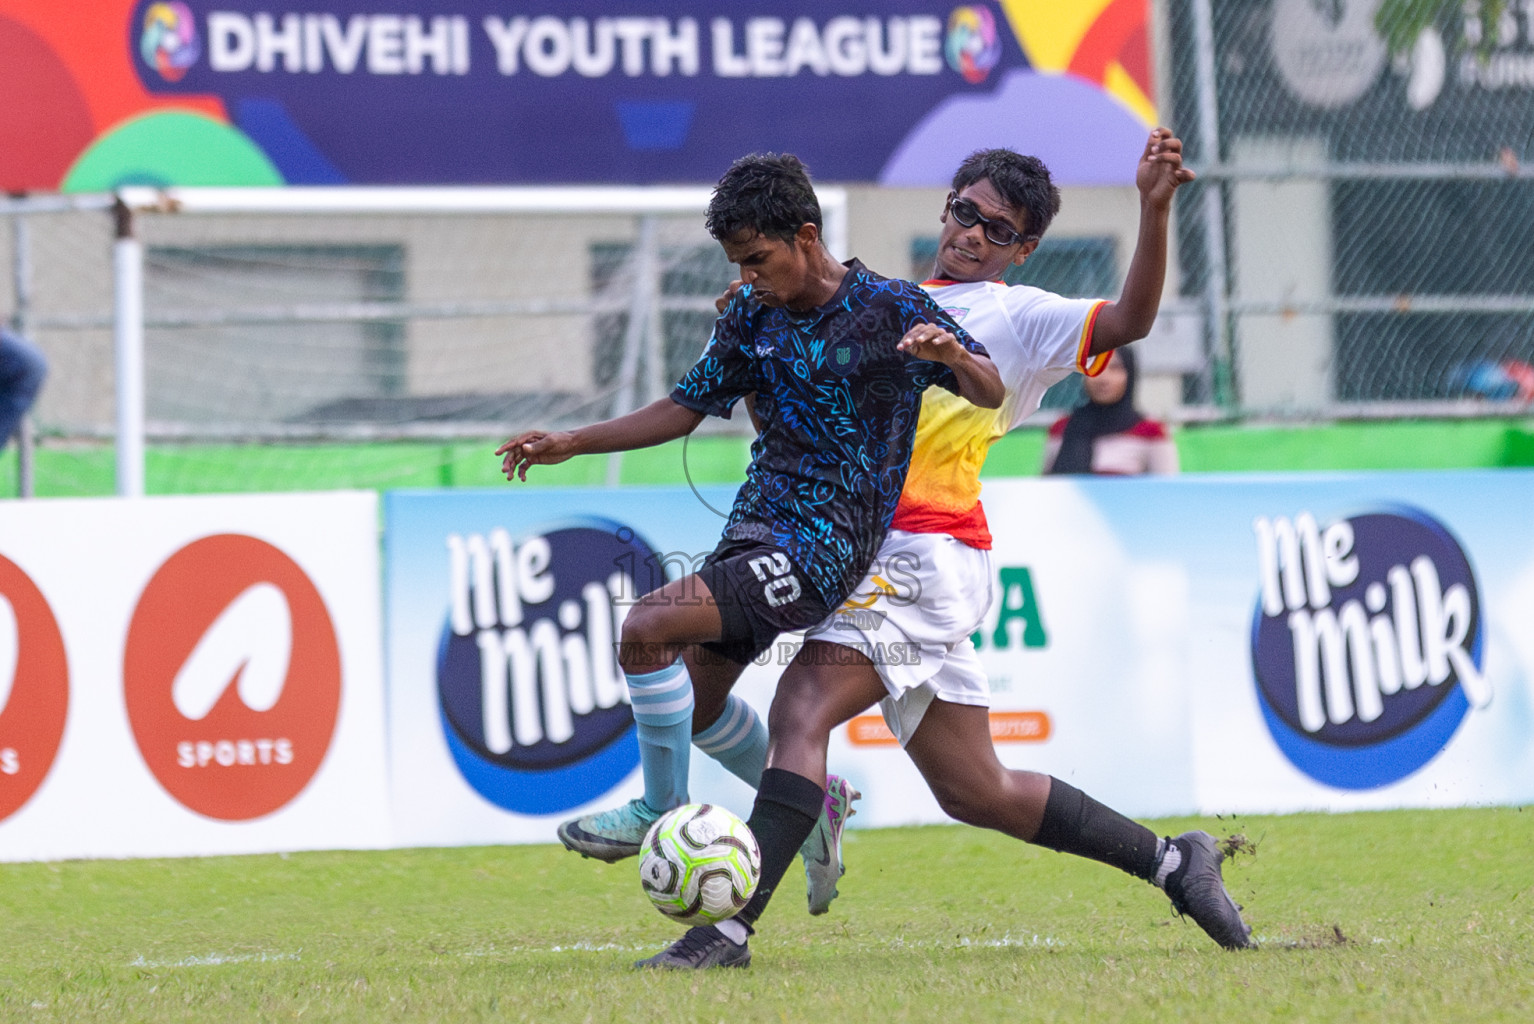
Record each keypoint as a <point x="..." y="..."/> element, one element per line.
<point x="761" y="594"/>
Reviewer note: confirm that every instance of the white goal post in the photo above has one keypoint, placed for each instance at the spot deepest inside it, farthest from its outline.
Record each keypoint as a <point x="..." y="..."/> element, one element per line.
<point x="641" y="342"/>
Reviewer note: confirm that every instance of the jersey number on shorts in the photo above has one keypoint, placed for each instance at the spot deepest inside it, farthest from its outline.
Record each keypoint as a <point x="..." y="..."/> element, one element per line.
<point x="777" y="572"/>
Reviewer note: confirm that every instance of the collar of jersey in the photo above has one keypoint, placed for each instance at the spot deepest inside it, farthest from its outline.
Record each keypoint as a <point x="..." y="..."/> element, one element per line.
<point x="943" y="282"/>
<point x="834" y="303"/>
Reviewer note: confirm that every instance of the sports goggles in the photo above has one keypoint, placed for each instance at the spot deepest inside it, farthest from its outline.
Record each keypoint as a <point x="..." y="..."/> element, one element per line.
<point x="968" y="215"/>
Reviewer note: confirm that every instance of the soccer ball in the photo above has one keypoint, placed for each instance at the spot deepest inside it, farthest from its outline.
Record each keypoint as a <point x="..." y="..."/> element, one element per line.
<point x="699" y="864"/>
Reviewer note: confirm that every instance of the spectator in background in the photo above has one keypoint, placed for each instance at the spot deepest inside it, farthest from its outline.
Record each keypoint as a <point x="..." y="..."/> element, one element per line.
<point x="22" y="369"/>
<point x="1107" y="435"/>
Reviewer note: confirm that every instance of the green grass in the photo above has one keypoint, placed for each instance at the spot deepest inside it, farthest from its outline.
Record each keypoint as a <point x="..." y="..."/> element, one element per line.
<point x="1402" y="917"/>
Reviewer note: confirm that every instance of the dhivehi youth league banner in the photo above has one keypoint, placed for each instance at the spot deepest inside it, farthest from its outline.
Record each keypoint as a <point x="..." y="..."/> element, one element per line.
<point x="248" y="92"/>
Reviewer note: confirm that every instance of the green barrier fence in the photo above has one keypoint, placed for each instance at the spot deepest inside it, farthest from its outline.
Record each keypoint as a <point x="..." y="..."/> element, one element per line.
<point x="88" y="470"/>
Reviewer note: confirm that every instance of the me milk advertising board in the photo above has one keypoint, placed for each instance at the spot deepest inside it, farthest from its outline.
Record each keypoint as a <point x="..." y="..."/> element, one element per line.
<point x="190" y="676"/>
<point x="1210" y="644"/>
<point x="507" y="710"/>
<point x="1273" y="644"/>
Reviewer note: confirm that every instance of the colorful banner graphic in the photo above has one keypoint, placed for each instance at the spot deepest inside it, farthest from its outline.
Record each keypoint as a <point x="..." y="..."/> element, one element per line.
<point x="254" y="92"/>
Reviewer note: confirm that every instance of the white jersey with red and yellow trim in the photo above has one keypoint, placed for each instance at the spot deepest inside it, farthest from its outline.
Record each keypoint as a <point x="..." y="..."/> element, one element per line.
<point x="1035" y="338"/>
<point x="931" y="583"/>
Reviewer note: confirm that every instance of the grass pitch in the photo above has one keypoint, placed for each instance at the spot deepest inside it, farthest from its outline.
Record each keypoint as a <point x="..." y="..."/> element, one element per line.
<point x="1401" y="916"/>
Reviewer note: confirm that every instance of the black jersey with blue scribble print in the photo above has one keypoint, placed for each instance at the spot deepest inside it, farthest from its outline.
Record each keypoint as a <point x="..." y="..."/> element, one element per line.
<point x="838" y="407"/>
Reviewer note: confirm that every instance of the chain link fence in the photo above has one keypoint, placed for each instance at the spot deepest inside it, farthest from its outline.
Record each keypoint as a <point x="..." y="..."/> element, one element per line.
<point x="1359" y="234"/>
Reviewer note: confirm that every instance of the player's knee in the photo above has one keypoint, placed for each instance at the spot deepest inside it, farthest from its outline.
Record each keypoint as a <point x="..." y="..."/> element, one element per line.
<point x="796" y="712"/>
<point x="962" y="807"/>
<point x="639" y="626"/>
<point x="788" y="714"/>
<point x="641" y="640"/>
<point x="968" y="801"/>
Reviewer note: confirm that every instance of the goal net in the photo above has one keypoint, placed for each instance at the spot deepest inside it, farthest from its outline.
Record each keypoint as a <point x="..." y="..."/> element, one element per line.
<point x="328" y="316"/>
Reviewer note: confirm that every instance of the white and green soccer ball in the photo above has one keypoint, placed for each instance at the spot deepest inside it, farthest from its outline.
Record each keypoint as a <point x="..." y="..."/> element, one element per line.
<point x="699" y="864"/>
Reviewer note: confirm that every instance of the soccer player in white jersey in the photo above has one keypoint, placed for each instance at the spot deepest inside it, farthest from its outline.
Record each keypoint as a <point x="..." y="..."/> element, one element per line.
<point x="937" y="704"/>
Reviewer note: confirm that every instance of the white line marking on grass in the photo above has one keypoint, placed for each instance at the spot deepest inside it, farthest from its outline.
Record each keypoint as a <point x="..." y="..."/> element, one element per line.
<point x="1007" y="939"/>
<point x="1014" y="940"/>
<point x="574" y="947"/>
<point x="216" y="959"/>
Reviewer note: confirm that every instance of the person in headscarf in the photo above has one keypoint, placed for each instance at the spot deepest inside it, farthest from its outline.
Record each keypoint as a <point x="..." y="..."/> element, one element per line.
<point x="1108" y="435"/>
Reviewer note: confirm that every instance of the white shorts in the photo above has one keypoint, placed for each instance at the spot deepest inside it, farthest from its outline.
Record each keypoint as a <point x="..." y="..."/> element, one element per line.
<point x="912" y="616"/>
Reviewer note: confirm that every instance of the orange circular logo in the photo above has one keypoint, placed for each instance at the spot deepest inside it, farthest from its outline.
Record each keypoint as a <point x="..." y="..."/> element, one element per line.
<point x="232" y="677"/>
<point x="34" y="687"/>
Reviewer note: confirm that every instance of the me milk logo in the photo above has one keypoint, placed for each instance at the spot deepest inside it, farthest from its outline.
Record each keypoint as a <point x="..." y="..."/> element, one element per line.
<point x="232" y="677"/>
<point x="1367" y="643"/>
<point x="34" y="688"/>
<point x="534" y="707"/>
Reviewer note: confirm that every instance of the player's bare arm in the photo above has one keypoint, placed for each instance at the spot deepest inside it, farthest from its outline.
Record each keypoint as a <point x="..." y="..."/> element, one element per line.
<point x="656" y="423"/>
<point x="1158" y="176"/>
<point x="979" y="382"/>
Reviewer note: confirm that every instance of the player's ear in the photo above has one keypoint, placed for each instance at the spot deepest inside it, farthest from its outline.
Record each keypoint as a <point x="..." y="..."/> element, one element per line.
<point x="1024" y="251"/>
<point x="807" y="236"/>
<point x="942" y="218"/>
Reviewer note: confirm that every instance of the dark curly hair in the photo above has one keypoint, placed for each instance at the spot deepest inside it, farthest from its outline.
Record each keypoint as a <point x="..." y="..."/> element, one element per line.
<point x="766" y="193"/>
<point x="1023" y="182"/>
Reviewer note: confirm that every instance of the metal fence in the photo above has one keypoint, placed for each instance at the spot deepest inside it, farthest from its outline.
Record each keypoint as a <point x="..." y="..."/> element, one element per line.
<point x="1359" y="233"/>
<point x="304" y="315"/>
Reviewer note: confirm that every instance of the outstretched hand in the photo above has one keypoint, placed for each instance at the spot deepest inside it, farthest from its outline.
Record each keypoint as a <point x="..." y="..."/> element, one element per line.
<point x="723" y="301"/>
<point x="1160" y="171"/>
<point x="535" y="448"/>
<point x="931" y="342"/>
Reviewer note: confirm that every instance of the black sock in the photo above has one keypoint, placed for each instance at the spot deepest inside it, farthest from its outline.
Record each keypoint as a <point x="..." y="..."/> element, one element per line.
<point x="1075" y="823"/>
<point x="786" y="809"/>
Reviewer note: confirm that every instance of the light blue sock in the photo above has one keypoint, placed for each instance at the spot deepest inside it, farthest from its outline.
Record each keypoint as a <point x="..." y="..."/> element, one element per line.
<point x="737" y="740"/>
<point x="663" y="714"/>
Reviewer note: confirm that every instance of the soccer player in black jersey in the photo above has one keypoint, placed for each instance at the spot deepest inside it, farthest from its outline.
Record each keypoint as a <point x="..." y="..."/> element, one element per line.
<point x="937" y="703"/>
<point x="837" y="358"/>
